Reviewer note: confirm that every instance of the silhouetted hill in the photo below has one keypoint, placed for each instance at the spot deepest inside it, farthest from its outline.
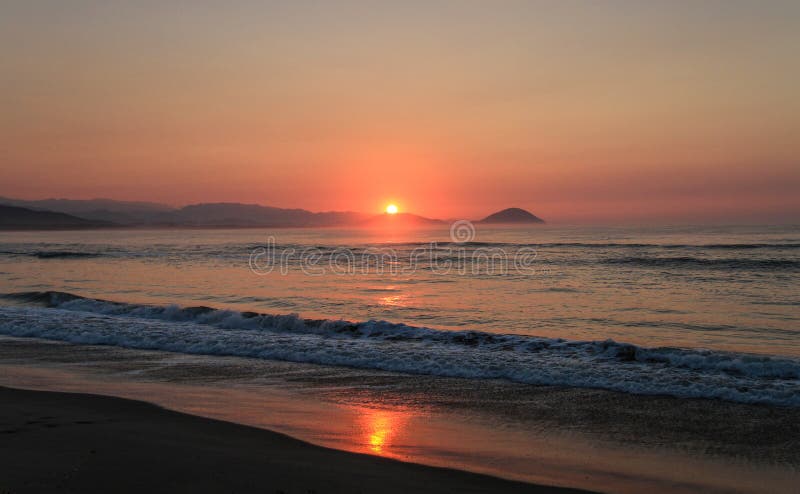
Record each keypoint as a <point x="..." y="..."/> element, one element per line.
<point x="196" y="215"/>
<point x="15" y="218"/>
<point x="512" y="215"/>
<point x="121" y="212"/>
<point x="78" y="206"/>
<point x="105" y="212"/>
<point x="235" y="214"/>
<point x="399" y="220"/>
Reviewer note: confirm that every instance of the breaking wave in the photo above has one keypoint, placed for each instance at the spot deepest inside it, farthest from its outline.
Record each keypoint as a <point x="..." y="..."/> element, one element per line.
<point x="386" y="346"/>
<point x="51" y="254"/>
<point x="700" y="262"/>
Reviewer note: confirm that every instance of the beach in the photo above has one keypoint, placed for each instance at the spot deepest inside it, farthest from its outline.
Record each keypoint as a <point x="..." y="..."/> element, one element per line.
<point x="629" y="360"/>
<point x="61" y="442"/>
<point x="541" y="435"/>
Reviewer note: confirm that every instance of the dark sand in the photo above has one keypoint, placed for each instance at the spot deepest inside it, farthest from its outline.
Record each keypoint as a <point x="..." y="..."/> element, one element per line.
<point x="60" y="442"/>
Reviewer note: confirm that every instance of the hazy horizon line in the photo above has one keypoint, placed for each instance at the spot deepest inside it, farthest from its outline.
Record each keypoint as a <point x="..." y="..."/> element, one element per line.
<point x="786" y="218"/>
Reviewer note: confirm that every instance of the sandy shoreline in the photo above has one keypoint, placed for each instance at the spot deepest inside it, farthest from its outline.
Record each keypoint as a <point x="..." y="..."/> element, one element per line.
<point x="63" y="442"/>
<point x="588" y="439"/>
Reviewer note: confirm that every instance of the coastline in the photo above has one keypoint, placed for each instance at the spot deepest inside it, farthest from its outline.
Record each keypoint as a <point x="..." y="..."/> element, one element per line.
<point x="580" y="438"/>
<point x="88" y="443"/>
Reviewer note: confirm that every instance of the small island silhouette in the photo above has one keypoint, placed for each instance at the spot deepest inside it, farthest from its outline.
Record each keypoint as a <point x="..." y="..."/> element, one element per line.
<point x="512" y="215"/>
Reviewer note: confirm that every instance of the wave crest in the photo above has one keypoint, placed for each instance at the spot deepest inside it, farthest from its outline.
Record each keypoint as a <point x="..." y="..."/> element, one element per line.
<point x="383" y="345"/>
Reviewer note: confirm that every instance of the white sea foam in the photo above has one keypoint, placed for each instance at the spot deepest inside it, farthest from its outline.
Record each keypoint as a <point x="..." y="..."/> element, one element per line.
<point x="382" y="345"/>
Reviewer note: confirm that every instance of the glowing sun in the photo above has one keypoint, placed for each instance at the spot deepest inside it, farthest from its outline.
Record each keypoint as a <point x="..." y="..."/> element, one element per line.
<point x="391" y="209"/>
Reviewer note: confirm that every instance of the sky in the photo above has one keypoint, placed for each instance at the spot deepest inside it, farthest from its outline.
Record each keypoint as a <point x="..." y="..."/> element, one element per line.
<point x="590" y="111"/>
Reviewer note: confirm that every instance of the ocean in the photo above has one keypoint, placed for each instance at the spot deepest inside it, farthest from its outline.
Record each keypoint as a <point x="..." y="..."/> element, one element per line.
<point x="692" y="312"/>
<point x="400" y="319"/>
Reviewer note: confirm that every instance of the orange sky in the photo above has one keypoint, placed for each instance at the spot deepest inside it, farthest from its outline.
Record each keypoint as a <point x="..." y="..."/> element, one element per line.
<point x="578" y="111"/>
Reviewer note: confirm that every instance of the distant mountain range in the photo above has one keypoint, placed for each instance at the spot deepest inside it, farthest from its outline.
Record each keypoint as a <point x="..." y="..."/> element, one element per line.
<point x="121" y="213"/>
<point x="242" y="215"/>
<point x="14" y="218"/>
<point x="104" y="213"/>
<point x="404" y="220"/>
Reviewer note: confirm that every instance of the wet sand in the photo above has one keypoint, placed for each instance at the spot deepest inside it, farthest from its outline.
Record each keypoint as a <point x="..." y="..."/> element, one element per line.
<point x="62" y="442"/>
<point x="582" y="438"/>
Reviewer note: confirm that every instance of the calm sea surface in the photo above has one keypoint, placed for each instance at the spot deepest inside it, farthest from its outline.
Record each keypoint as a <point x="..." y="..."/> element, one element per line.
<point x="693" y="312"/>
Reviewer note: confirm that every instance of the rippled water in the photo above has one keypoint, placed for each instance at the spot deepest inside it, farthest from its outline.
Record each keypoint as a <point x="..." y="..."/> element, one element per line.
<point x="709" y="312"/>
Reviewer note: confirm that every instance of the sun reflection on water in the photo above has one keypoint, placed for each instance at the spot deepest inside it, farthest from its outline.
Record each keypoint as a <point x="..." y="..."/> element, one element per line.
<point x="394" y="300"/>
<point x="380" y="429"/>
